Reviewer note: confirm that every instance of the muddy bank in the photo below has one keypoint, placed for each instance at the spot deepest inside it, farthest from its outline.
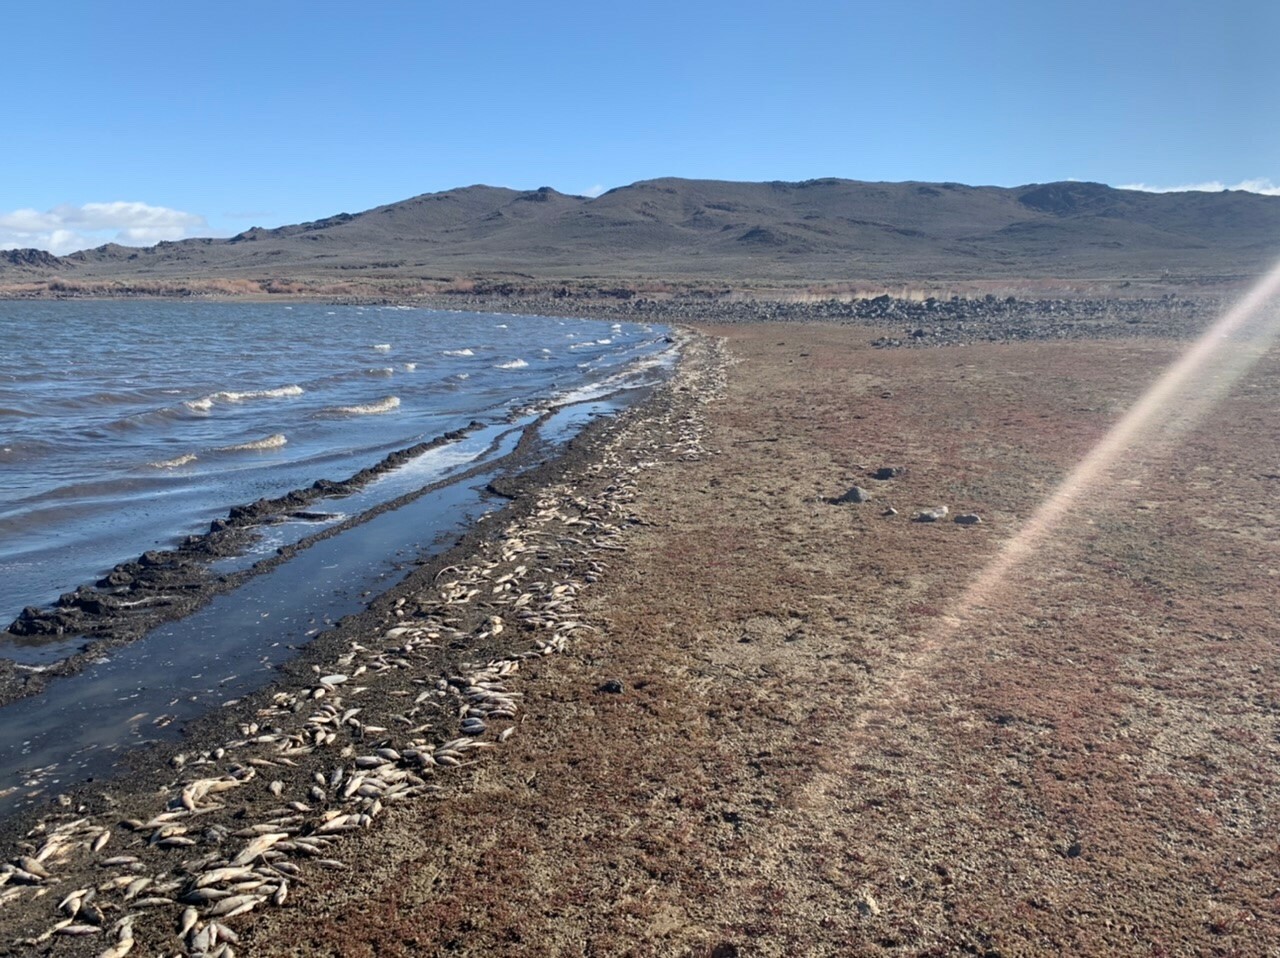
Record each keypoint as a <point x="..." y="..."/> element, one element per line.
<point x="167" y="584"/>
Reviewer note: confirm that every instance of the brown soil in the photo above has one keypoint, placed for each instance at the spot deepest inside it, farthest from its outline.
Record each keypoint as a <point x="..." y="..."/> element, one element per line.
<point x="814" y="752"/>
<point x="806" y="761"/>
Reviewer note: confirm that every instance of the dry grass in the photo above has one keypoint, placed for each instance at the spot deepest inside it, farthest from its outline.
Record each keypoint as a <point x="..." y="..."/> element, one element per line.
<point x="809" y="760"/>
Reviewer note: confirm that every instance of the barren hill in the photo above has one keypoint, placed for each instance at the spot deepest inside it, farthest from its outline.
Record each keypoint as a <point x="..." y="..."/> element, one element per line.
<point x="704" y="230"/>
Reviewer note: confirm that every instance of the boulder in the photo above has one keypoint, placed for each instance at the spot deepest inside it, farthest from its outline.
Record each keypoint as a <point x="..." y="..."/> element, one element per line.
<point x="856" y="494"/>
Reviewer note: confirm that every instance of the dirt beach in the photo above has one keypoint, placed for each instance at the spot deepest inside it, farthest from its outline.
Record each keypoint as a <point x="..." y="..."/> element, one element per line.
<point x="721" y="714"/>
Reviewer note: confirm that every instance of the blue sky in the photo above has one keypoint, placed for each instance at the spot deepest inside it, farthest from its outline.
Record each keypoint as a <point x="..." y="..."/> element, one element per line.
<point x="149" y="120"/>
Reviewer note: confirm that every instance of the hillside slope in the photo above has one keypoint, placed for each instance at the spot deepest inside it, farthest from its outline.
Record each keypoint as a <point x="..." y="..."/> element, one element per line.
<point x="818" y="230"/>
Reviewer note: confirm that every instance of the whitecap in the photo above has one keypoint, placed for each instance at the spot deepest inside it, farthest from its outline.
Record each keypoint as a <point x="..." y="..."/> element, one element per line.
<point x="410" y="367"/>
<point x="381" y="347"/>
<point x="173" y="463"/>
<point x="514" y="364"/>
<point x="380" y="371"/>
<point x="205" y="403"/>
<point x="459" y="352"/>
<point x="367" y="409"/>
<point x="274" y="441"/>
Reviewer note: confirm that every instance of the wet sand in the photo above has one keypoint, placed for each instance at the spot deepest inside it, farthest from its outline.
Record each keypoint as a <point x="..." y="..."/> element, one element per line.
<point x="744" y="718"/>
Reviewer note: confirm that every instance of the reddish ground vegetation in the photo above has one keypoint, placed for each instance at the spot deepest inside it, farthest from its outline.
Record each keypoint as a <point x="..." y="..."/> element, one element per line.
<point x="810" y="754"/>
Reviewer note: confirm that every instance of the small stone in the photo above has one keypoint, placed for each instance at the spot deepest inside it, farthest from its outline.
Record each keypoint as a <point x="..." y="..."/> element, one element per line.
<point x="968" y="519"/>
<point x="613" y="687"/>
<point x="856" y="494"/>
<point x="932" y="515"/>
<point x="885" y="473"/>
<point x="890" y="512"/>
<point x="868" y="907"/>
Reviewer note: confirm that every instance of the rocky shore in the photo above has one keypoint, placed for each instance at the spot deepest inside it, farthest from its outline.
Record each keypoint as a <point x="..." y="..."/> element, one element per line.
<point x="905" y="321"/>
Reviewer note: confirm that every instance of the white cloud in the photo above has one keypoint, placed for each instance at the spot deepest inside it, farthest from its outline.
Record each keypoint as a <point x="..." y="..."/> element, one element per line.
<point x="594" y="191"/>
<point x="65" y="229"/>
<point x="1257" y="185"/>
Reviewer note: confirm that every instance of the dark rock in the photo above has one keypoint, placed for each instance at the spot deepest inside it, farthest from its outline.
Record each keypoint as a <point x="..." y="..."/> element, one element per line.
<point x="856" y="494"/>
<point x="885" y="473"/>
<point x="968" y="519"/>
<point x="613" y="686"/>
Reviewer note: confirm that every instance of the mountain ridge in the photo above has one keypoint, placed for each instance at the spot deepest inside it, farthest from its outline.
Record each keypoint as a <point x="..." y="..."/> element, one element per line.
<point x="826" y="229"/>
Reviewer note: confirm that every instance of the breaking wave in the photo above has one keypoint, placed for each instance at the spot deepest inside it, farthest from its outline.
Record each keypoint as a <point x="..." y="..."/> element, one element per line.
<point x="205" y="403"/>
<point x="269" y="442"/>
<point x="365" y="409"/>
<point x="514" y="364"/>
<point x="459" y="352"/>
<point x="175" y="462"/>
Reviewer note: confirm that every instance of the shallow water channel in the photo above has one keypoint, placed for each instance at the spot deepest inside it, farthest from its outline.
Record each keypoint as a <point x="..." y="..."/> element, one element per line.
<point x="79" y="726"/>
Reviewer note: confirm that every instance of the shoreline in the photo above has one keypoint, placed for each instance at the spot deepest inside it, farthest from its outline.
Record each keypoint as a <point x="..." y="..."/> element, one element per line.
<point x="434" y="631"/>
<point x="169" y="582"/>
<point x="766" y="731"/>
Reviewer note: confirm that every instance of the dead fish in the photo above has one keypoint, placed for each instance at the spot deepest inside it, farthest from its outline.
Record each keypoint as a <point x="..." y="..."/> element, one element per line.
<point x="78" y="930"/>
<point x="202" y="896"/>
<point x="119" y="949"/>
<point x="175" y="841"/>
<point x="257" y="847"/>
<point x="187" y="921"/>
<point x="100" y="842"/>
<point x="235" y="905"/>
<point x="218" y="876"/>
<point x="33" y="867"/>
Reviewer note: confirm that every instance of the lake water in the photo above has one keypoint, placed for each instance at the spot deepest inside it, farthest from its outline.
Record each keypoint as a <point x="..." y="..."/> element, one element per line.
<point x="126" y="425"/>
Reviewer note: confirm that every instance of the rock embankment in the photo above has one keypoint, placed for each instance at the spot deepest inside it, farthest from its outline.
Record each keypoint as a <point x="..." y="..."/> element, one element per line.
<point x="916" y="322"/>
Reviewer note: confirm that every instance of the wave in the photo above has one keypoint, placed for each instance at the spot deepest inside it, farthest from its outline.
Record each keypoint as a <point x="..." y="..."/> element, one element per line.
<point x="459" y="352"/>
<point x="410" y="367"/>
<point x="380" y="371"/>
<point x="205" y="403"/>
<point x="365" y="409"/>
<point x="514" y="364"/>
<point x="381" y="347"/>
<point x="268" y="442"/>
<point x="176" y="461"/>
